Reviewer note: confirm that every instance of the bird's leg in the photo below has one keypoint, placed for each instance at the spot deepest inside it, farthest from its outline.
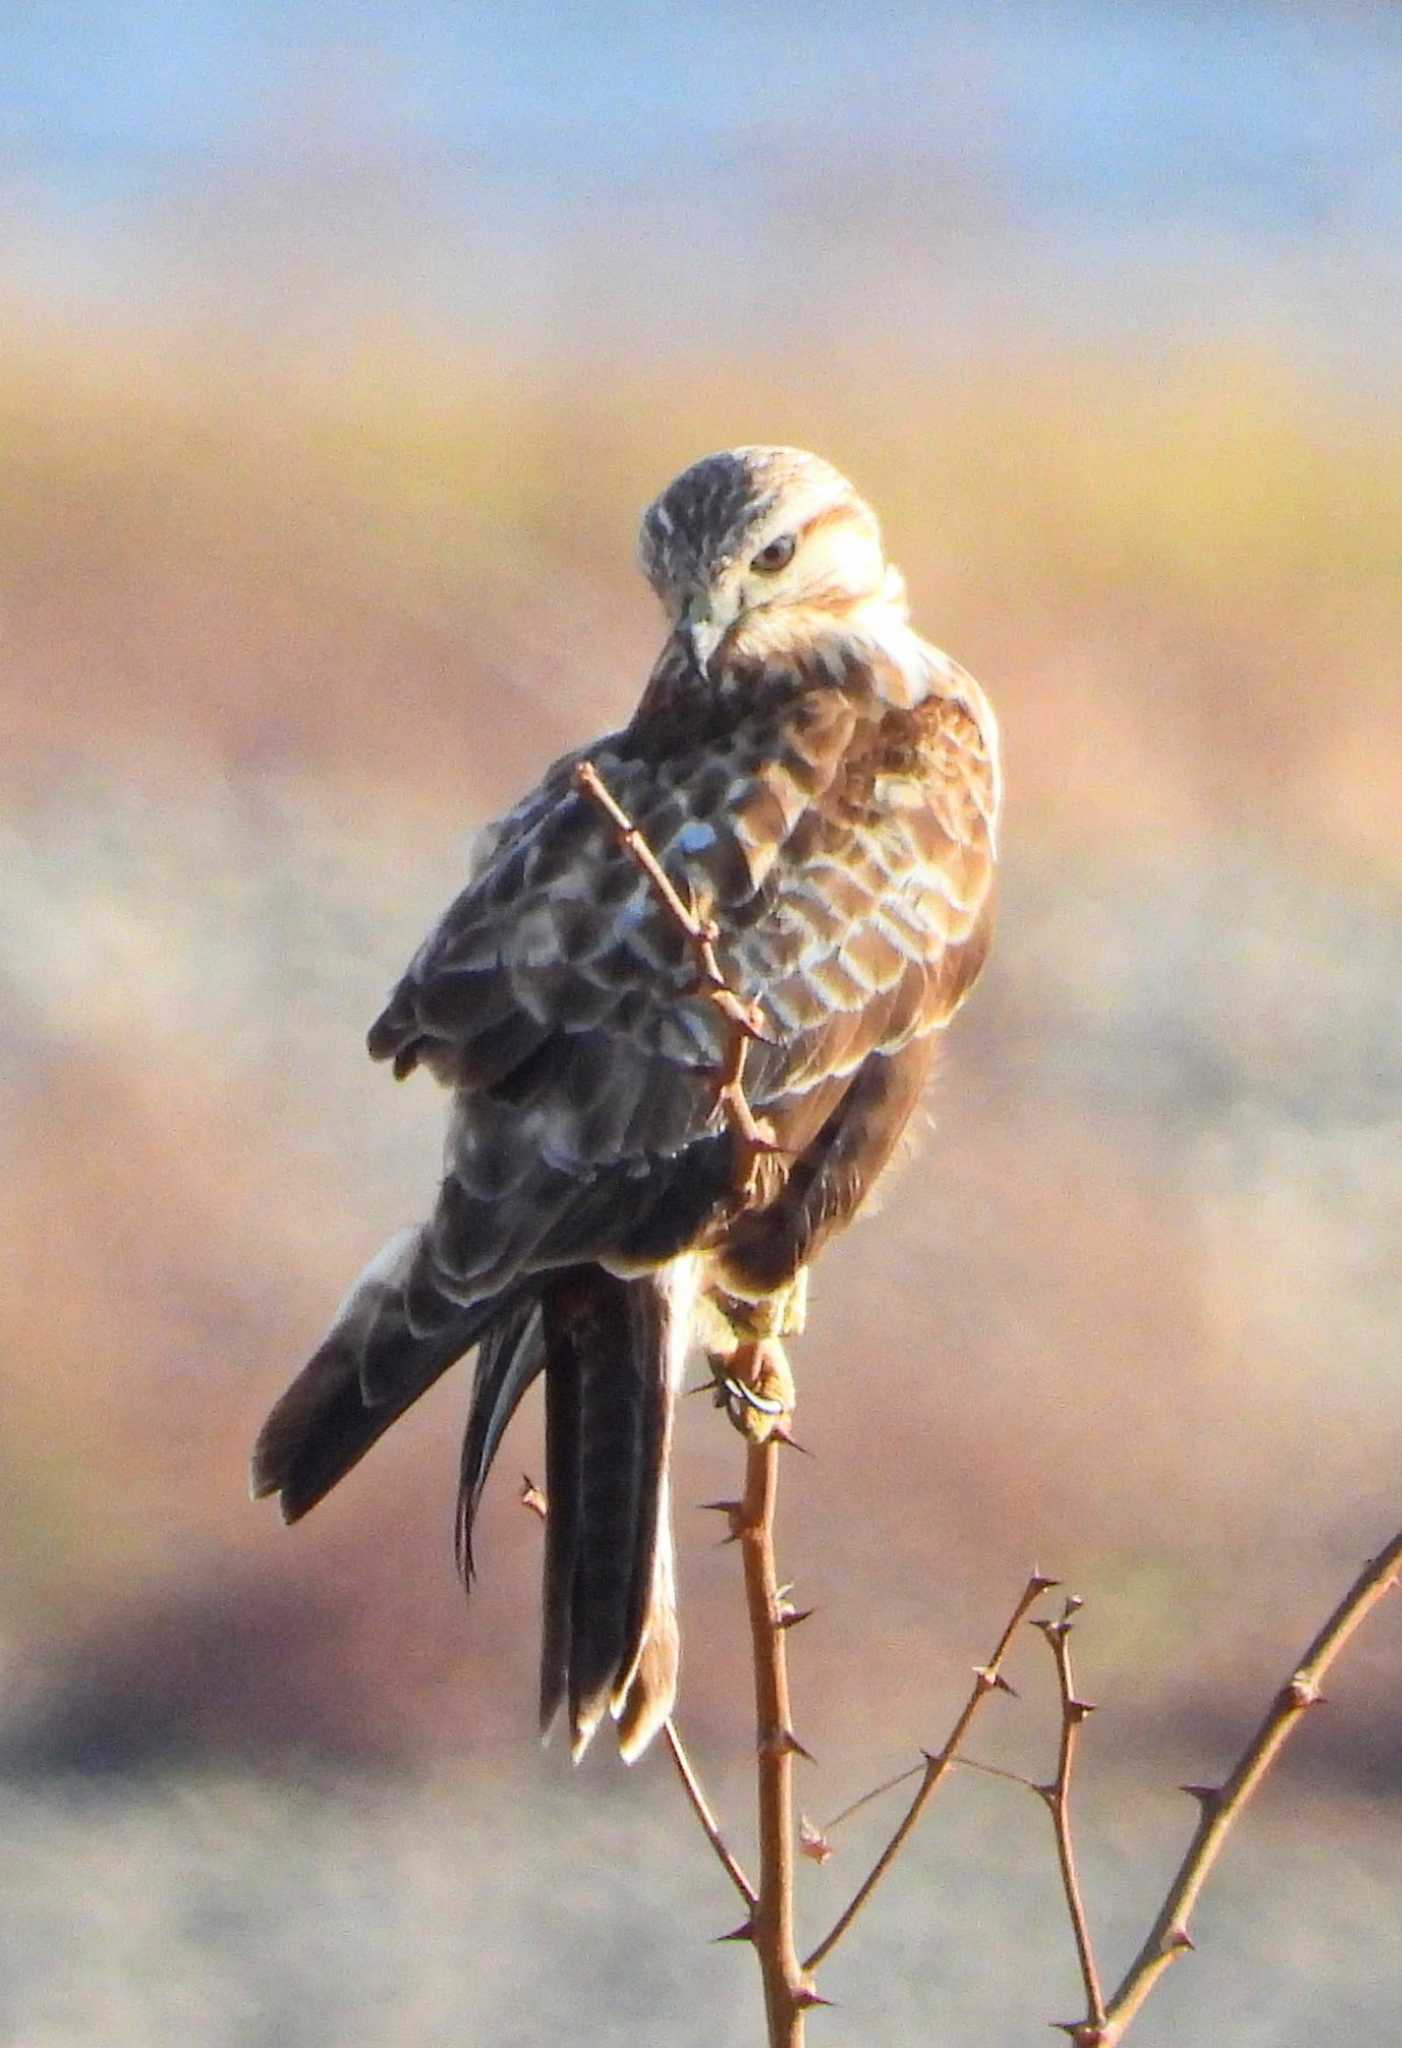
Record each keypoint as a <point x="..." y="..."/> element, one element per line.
<point x="753" y="1379"/>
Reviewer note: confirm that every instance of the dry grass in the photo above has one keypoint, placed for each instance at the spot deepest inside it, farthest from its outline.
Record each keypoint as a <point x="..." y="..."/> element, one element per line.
<point x="1182" y="574"/>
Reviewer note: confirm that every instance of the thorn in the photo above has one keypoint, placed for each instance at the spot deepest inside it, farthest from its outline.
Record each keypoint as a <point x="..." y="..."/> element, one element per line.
<point x="791" y="1617"/>
<point x="1302" y="1691"/>
<point x="744" y="1932"/>
<point x="1074" y="1604"/>
<point x="1038" y="1583"/>
<point x="1177" y="1940"/>
<point x="993" y="1681"/>
<point x="733" y="1510"/>
<point x="1206" y="1795"/>
<point x="1056" y="1630"/>
<point x="531" y="1496"/>
<point x="1046" y="1792"/>
<point x="806" y="1999"/>
<point x="780" y="1435"/>
<point x="783" y="1742"/>
<point x="1085" y="2033"/>
<point x="1078" y="1710"/>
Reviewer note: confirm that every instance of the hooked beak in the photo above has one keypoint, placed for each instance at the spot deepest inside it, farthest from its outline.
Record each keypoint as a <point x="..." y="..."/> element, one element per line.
<point x="702" y="630"/>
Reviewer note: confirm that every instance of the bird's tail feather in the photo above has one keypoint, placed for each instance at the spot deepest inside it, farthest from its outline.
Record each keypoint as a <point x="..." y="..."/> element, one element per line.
<point x="324" y="1424"/>
<point x="508" y="1359"/>
<point x="615" y="1351"/>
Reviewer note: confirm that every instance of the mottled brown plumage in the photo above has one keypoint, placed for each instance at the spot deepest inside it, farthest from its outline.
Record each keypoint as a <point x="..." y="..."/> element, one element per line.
<point x="823" y="785"/>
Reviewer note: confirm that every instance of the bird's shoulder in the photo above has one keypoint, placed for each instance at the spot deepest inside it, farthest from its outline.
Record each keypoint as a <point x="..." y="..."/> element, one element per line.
<point x="789" y="802"/>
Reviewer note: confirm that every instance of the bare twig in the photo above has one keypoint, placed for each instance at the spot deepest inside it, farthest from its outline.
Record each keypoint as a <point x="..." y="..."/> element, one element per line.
<point x="830" y="1827"/>
<point x="1058" y="1798"/>
<point x="1220" y="1806"/>
<point x="987" y="1678"/>
<point x="971" y="1763"/>
<point x="701" y="1807"/>
<point x="753" y="1135"/>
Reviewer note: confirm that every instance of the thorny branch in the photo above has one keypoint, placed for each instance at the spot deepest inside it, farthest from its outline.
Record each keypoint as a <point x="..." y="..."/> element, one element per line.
<point x="1058" y="1797"/>
<point x="753" y="1136"/>
<point x="987" y="1678"/>
<point x="1220" y="1806"/>
<point x="788" y="1984"/>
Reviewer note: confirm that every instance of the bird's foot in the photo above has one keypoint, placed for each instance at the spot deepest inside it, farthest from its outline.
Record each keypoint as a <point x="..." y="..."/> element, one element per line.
<point x="755" y="1387"/>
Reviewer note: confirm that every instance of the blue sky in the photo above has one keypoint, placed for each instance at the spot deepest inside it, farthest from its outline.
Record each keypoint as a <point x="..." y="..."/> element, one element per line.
<point x="463" y="154"/>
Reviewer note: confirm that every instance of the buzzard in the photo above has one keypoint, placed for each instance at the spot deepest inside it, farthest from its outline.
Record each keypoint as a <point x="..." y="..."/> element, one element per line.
<point x="822" y="786"/>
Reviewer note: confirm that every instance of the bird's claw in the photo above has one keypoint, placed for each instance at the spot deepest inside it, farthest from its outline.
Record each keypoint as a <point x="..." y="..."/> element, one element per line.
<point x="734" y="1394"/>
<point x="757" y="1391"/>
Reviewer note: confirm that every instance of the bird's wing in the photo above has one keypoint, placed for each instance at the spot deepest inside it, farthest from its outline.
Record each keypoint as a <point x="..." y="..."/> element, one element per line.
<point x="891" y="894"/>
<point x="886" y="908"/>
<point x="843" y="852"/>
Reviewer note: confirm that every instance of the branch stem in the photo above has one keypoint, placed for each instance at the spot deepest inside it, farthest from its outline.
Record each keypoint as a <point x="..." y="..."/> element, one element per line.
<point x="987" y="1678"/>
<point x="788" y="1988"/>
<point x="1168" y="1938"/>
<point x="1058" y="1798"/>
<point x="701" y="1807"/>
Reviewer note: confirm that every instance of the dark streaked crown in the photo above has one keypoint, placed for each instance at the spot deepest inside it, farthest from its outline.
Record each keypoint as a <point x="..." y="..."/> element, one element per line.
<point x="710" y="513"/>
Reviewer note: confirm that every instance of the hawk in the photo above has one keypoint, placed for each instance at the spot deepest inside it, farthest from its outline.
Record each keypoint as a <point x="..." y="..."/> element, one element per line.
<point x="822" y="786"/>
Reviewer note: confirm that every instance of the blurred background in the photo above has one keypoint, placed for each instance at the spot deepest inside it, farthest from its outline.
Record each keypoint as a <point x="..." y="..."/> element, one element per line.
<point x="340" y="347"/>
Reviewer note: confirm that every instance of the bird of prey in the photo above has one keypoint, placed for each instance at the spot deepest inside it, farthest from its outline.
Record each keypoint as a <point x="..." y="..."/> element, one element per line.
<point x="821" y="786"/>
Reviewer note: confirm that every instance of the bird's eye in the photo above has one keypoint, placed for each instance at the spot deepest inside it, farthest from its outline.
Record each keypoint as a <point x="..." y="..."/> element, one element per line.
<point x="776" y="556"/>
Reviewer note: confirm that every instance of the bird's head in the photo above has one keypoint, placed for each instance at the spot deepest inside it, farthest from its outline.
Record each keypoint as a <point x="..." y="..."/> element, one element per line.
<point x="770" y="544"/>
